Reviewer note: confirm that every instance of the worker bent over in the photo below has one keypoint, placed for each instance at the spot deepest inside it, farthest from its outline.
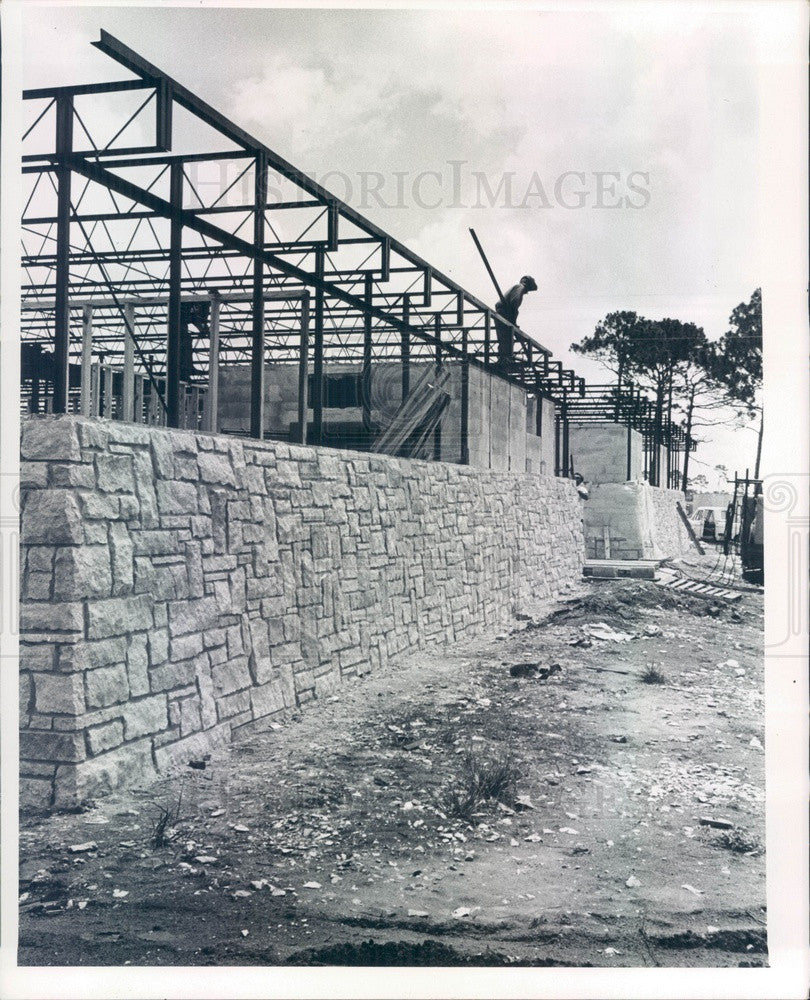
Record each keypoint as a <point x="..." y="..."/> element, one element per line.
<point x="509" y="307"/>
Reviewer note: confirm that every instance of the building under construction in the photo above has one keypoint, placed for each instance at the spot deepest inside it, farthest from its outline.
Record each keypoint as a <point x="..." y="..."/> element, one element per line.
<point x="179" y="272"/>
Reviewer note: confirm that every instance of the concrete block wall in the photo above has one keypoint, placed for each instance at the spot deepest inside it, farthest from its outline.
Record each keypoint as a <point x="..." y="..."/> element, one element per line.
<point x="180" y="588"/>
<point x="633" y="521"/>
<point x="501" y="423"/>
<point x="600" y="452"/>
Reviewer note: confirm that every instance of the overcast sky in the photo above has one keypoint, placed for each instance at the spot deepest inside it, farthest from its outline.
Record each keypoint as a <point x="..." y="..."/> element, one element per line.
<point x="664" y="96"/>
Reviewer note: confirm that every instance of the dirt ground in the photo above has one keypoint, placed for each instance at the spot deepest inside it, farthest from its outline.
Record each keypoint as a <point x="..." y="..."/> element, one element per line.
<point x="604" y="807"/>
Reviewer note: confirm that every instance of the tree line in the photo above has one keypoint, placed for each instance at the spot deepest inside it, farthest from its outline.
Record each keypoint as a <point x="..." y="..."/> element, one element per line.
<point x="689" y="375"/>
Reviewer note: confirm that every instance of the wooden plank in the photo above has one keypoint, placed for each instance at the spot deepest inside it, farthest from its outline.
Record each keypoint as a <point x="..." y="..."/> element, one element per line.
<point x="689" y="529"/>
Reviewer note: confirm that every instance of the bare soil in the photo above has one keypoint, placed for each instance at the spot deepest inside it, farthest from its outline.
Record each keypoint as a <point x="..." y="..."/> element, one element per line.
<point x="625" y="825"/>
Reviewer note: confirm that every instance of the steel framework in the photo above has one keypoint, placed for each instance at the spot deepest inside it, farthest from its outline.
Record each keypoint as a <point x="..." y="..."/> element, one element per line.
<point x="121" y="232"/>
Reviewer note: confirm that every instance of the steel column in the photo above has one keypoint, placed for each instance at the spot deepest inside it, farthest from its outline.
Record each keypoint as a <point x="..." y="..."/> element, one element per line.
<point x="465" y="401"/>
<point x="175" y="285"/>
<point x="257" y="344"/>
<point x="85" y="399"/>
<point x="406" y="349"/>
<point x="212" y="398"/>
<point x="317" y="368"/>
<point x="365" y="383"/>
<point x="565" y="433"/>
<point x="437" y="433"/>
<point x="487" y="337"/>
<point x="629" y="447"/>
<point x="556" y="443"/>
<point x="128" y="388"/>
<point x="303" y="371"/>
<point x="64" y="146"/>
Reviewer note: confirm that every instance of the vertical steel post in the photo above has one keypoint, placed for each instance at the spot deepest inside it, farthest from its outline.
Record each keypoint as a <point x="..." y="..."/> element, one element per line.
<point x="565" y="462"/>
<point x="487" y="337"/>
<point x="85" y="399"/>
<point x="128" y="389"/>
<point x="365" y="382"/>
<point x="303" y="370"/>
<point x="629" y="447"/>
<point x="317" y="367"/>
<point x="175" y="286"/>
<point x="437" y="433"/>
<point x="257" y="344"/>
<point x="212" y="397"/>
<point x="538" y="416"/>
<point x="556" y="442"/>
<point x="465" y="400"/>
<point x="64" y="147"/>
<point x="406" y="349"/>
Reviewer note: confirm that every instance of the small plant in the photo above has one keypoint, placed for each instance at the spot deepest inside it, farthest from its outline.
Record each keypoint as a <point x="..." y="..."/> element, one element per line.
<point x="163" y="825"/>
<point x="480" y="781"/>
<point x="738" y="841"/>
<point x="652" y="675"/>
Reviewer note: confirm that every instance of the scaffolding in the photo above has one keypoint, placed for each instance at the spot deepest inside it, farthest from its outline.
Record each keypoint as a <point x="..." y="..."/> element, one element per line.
<point x="148" y="213"/>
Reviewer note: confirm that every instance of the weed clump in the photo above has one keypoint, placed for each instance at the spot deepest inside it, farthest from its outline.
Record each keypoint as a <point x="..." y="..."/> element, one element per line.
<point x="480" y="781"/>
<point x="738" y="841"/>
<point x="164" y="823"/>
<point x="652" y="675"/>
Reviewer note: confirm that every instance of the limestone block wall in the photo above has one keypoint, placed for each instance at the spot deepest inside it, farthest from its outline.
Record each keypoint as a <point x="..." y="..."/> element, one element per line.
<point x="633" y="521"/>
<point x="179" y="588"/>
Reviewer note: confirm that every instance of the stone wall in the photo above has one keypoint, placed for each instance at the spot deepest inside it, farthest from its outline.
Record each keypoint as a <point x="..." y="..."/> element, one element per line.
<point x="179" y="588"/>
<point x="633" y="521"/>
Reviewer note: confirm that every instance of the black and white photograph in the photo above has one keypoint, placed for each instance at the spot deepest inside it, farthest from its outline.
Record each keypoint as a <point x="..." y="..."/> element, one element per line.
<point x="403" y="581"/>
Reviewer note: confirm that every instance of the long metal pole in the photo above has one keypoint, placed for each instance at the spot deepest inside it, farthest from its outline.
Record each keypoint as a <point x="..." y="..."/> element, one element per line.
<point x="64" y="145"/>
<point x="406" y="349"/>
<point x="437" y="433"/>
<point x="175" y="278"/>
<point x="490" y="272"/>
<point x="87" y="360"/>
<point x="365" y="382"/>
<point x="303" y="371"/>
<point x="212" y="398"/>
<point x="465" y="401"/>
<point x="317" y="367"/>
<point x="257" y="345"/>
<point x="128" y="394"/>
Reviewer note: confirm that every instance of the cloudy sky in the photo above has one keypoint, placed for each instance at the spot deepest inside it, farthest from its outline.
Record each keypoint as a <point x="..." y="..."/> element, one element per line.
<point x="620" y="144"/>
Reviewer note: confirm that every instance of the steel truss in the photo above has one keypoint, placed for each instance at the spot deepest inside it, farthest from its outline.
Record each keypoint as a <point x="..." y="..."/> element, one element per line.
<point x="119" y="236"/>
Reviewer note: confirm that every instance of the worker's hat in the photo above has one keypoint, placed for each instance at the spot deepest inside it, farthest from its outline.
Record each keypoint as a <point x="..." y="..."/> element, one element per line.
<point x="529" y="282"/>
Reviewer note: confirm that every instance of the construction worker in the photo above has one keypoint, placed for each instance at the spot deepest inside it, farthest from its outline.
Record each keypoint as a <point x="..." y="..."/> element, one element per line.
<point x="508" y="307"/>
